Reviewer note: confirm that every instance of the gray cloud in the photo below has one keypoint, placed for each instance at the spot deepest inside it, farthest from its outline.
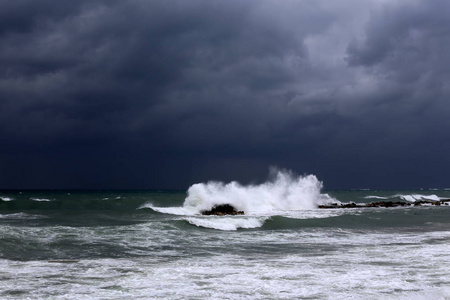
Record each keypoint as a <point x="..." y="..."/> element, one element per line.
<point x="164" y="94"/>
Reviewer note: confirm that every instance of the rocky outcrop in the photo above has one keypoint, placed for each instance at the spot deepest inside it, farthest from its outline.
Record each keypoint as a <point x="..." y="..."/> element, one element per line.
<point x="387" y="204"/>
<point x="222" y="210"/>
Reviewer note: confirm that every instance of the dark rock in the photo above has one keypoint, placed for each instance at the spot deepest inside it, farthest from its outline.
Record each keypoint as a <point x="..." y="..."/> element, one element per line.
<point x="332" y="205"/>
<point x="221" y="210"/>
<point x="387" y="204"/>
<point x="327" y="206"/>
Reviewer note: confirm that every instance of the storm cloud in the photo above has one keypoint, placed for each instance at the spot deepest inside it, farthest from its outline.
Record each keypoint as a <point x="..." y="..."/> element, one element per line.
<point x="163" y="94"/>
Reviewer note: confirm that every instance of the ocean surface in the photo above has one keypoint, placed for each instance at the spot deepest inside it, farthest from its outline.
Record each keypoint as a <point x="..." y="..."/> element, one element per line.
<point x="157" y="245"/>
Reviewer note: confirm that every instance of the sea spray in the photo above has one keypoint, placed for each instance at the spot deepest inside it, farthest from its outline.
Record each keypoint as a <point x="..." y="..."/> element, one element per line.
<point x="285" y="192"/>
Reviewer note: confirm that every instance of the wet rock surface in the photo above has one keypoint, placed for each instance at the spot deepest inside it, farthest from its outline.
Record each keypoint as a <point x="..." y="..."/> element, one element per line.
<point x="222" y="210"/>
<point x="388" y="204"/>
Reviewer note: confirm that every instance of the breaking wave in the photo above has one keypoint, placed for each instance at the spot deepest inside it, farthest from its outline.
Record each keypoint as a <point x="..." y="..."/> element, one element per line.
<point x="227" y="223"/>
<point x="417" y="197"/>
<point x="283" y="194"/>
<point x="407" y="197"/>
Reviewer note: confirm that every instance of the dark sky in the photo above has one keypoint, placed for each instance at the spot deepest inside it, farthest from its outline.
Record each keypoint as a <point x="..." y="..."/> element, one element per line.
<point x="164" y="94"/>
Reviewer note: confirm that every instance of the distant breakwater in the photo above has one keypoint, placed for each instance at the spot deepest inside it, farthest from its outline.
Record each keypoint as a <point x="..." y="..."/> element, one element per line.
<point x="387" y="204"/>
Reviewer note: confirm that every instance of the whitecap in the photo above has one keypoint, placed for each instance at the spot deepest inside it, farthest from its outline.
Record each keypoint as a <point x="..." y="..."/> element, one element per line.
<point x="314" y="214"/>
<point x="431" y="197"/>
<point x="226" y="223"/>
<point x="375" y="197"/>
<point x="40" y="199"/>
<point x="418" y="197"/>
<point x="2" y="198"/>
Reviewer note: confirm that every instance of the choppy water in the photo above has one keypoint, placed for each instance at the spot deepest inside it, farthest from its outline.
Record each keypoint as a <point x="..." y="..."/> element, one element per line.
<point x="154" y="244"/>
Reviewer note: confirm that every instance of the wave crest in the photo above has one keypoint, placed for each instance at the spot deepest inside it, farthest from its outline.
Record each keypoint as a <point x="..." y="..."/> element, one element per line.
<point x="284" y="195"/>
<point x="227" y="223"/>
<point x="284" y="192"/>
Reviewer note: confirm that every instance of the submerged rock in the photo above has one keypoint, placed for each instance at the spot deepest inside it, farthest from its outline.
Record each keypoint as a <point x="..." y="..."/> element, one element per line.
<point x="221" y="210"/>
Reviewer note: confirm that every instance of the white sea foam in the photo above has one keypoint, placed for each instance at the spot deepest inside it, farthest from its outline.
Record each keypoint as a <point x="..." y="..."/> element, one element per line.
<point x="226" y="223"/>
<point x="375" y="197"/>
<point x="315" y="213"/>
<point x="418" y="197"/>
<point x="2" y="198"/>
<point x="371" y="266"/>
<point x="41" y="199"/>
<point x="284" y="193"/>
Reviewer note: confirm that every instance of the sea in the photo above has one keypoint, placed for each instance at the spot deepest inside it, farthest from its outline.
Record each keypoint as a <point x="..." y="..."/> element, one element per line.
<point x="151" y="244"/>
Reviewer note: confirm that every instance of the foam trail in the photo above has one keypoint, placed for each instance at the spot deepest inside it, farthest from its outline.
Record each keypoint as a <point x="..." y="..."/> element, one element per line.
<point x="181" y="211"/>
<point x="226" y="223"/>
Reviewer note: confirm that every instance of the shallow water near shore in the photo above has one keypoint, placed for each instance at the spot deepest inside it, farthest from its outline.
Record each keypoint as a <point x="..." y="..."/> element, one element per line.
<point x="155" y="245"/>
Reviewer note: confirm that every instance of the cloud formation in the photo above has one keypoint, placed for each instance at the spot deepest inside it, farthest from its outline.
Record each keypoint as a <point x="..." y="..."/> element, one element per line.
<point x="163" y="94"/>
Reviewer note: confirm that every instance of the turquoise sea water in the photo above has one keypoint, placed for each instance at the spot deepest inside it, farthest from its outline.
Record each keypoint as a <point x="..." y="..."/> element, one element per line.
<point x="156" y="245"/>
